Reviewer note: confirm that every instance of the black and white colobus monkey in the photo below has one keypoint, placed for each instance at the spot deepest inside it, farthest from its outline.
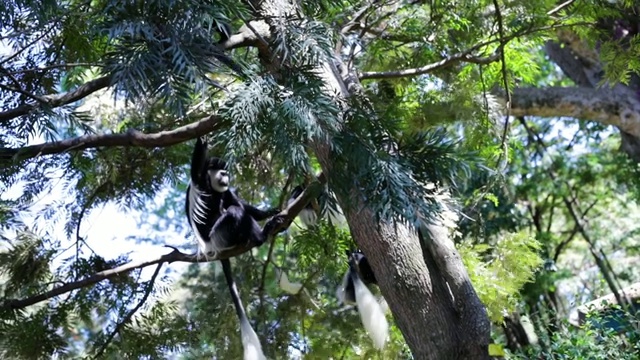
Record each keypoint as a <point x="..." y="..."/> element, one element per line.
<point x="222" y="221"/>
<point x="353" y="290"/>
<point x="308" y="215"/>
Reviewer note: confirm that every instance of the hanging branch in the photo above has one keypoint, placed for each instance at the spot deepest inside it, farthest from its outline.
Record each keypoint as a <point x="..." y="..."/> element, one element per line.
<point x="130" y="314"/>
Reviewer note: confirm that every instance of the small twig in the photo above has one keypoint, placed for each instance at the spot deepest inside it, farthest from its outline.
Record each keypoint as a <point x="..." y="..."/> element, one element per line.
<point x="86" y="205"/>
<point x="37" y="39"/>
<point x="19" y="90"/>
<point x="505" y="79"/>
<point x="451" y="60"/>
<point x="18" y="87"/>
<point x="130" y="314"/>
<point x="11" y="77"/>
<point x="263" y="277"/>
<point x="285" y="190"/>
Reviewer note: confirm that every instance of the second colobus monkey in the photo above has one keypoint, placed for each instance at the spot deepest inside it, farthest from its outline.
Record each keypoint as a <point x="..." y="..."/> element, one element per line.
<point x="222" y="221"/>
<point x="353" y="290"/>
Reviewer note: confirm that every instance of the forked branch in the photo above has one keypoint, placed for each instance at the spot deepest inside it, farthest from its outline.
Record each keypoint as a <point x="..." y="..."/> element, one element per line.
<point x="449" y="61"/>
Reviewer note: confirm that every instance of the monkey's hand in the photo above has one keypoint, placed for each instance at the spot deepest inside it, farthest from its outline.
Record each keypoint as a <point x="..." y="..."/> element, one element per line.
<point x="273" y="212"/>
<point x="278" y="222"/>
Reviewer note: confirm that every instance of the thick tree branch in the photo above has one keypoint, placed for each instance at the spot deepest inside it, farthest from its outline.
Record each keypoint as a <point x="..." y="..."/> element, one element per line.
<point x="253" y="33"/>
<point x="130" y="138"/>
<point x="571" y="64"/>
<point x="579" y="47"/>
<point x="59" y="99"/>
<point x="289" y="213"/>
<point x="603" y="105"/>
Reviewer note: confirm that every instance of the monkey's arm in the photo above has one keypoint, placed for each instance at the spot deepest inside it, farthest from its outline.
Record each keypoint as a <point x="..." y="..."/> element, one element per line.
<point x="232" y="198"/>
<point x="258" y="214"/>
<point x="198" y="162"/>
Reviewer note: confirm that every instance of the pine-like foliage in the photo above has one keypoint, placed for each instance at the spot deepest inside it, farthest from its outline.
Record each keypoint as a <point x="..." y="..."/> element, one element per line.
<point x="107" y="69"/>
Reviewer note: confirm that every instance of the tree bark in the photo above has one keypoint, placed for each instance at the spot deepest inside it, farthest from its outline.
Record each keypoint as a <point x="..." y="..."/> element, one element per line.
<point x="604" y="105"/>
<point x="427" y="289"/>
<point x="581" y="63"/>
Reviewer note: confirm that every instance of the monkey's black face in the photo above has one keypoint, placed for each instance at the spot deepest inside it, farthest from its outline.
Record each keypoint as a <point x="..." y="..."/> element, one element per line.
<point x="219" y="180"/>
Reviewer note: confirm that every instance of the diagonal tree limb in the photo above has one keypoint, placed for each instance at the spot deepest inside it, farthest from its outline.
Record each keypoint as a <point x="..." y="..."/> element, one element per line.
<point x="464" y="56"/>
<point x="505" y="81"/>
<point x="131" y="312"/>
<point x="289" y="213"/>
<point x="130" y="138"/>
<point x="59" y="99"/>
<point x="171" y="257"/>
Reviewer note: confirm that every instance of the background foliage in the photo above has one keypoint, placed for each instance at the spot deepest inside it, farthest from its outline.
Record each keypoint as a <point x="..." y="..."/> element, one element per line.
<point x="548" y="204"/>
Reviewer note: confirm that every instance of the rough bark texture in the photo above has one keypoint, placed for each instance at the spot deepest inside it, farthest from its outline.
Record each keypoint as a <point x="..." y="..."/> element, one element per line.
<point x="605" y="105"/>
<point x="436" y="323"/>
<point x="616" y="105"/>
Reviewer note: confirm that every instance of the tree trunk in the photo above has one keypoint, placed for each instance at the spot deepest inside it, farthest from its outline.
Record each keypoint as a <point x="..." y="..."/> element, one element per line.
<point x="421" y="294"/>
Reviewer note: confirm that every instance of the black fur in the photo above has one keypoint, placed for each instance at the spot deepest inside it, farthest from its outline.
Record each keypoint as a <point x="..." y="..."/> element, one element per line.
<point x="361" y="264"/>
<point x="297" y="191"/>
<point x="354" y="290"/>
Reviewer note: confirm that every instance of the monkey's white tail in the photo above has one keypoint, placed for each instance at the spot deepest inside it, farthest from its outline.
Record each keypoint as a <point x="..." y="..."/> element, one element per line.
<point x="371" y="314"/>
<point x="341" y="291"/>
<point x="250" y="342"/>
